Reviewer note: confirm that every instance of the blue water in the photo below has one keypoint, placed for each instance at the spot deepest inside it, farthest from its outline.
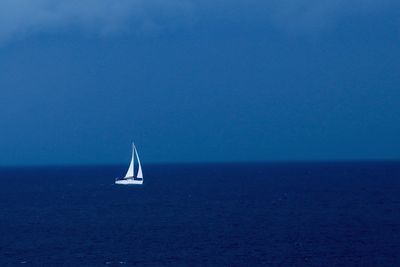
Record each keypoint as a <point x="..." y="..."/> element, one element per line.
<point x="309" y="214"/>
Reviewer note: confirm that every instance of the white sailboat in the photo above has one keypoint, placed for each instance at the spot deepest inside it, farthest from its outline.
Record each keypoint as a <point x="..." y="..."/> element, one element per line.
<point x="130" y="178"/>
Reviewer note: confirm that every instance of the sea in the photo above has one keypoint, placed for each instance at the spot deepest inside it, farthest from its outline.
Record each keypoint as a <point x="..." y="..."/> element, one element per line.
<point x="247" y="214"/>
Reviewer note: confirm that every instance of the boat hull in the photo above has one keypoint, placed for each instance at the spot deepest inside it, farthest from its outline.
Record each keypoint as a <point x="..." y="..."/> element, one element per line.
<point x="129" y="181"/>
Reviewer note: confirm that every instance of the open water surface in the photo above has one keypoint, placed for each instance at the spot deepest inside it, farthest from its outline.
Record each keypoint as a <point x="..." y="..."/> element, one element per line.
<point x="286" y="214"/>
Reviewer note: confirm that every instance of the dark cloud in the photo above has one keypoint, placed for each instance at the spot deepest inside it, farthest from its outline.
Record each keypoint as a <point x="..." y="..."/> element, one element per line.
<point x="314" y="15"/>
<point x="300" y="16"/>
<point x="19" y="18"/>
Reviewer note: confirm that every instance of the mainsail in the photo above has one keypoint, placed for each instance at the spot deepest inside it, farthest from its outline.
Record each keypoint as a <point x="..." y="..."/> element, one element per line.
<point x="131" y="169"/>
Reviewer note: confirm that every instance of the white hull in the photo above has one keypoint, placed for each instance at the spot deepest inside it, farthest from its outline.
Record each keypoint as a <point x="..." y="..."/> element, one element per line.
<point x="129" y="181"/>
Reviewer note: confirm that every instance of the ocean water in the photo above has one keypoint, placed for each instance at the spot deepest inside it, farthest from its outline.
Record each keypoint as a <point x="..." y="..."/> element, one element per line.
<point x="287" y="214"/>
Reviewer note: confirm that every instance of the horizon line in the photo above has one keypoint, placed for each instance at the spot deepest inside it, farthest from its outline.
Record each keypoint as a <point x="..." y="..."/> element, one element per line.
<point x="52" y="165"/>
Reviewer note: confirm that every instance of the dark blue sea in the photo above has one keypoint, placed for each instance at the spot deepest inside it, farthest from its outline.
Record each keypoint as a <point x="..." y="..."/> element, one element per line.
<point x="283" y="214"/>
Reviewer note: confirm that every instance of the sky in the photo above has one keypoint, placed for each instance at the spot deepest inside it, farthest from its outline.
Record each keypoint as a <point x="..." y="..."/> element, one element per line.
<point x="198" y="81"/>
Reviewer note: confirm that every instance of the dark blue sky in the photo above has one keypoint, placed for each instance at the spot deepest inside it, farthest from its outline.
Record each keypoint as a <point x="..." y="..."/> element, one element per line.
<point x="201" y="82"/>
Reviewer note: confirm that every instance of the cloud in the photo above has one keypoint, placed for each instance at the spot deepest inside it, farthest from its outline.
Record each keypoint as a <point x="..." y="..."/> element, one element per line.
<point x="19" y="18"/>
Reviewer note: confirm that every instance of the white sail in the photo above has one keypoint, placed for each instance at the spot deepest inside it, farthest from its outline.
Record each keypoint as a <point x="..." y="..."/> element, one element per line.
<point x="140" y="173"/>
<point x="131" y="169"/>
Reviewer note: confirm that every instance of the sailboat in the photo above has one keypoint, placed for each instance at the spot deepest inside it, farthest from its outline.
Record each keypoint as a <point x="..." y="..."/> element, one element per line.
<point x="130" y="178"/>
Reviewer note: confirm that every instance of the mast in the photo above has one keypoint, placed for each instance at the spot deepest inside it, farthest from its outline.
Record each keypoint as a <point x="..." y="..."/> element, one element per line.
<point x="131" y="169"/>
